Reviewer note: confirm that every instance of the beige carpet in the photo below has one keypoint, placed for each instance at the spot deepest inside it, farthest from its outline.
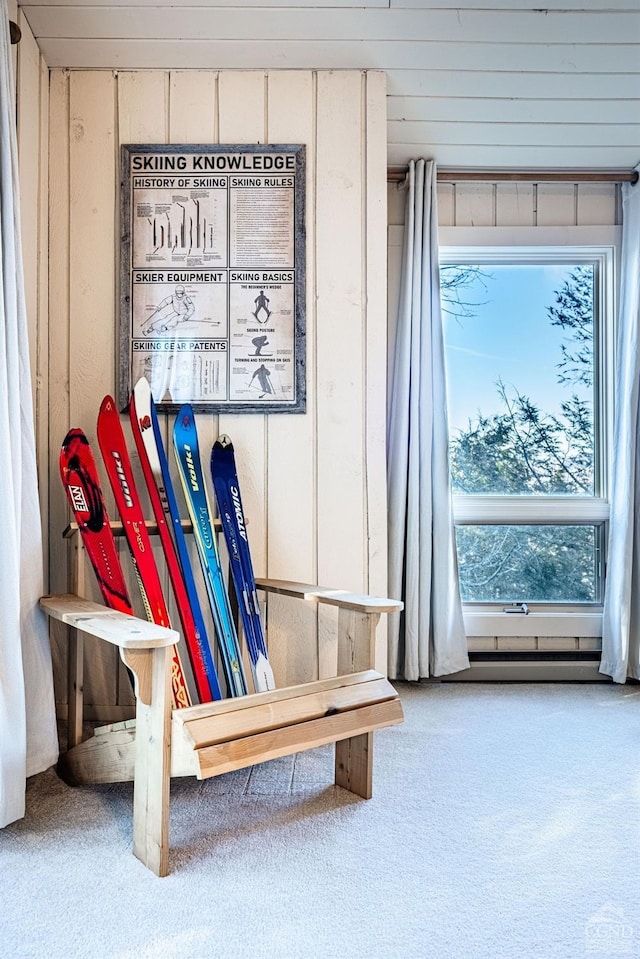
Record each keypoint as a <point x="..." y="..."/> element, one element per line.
<point x="505" y="825"/>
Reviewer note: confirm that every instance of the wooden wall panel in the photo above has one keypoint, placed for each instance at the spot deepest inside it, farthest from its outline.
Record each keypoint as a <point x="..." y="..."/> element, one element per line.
<point x="143" y="106"/>
<point x="374" y="316"/>
<point x="192" y="118"/>
<point x="92" y="294"/>
<point x="313" y="484"/>
<point x="396" y="197"/>
<point x="142" y="117"/>
<point x="340" y="360"/>
<point x="59" y="412"/>
<point x="242" y="119"/>
<point x="596" y="204"/>
<point x="92" y="242"/>
<point x="291" y="450"/>
<point x="518" y="204"/>
<point x="340" y="354"/>
<point x="446" y="205"/>
<point x="514" y="204"/>
<point x="556" y="204"/>
<point x="475" y="204"/>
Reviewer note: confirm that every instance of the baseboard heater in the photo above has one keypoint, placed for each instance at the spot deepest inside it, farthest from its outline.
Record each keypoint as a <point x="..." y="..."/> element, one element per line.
<point x="531" y="666"/>
<point x="536" y="655"/>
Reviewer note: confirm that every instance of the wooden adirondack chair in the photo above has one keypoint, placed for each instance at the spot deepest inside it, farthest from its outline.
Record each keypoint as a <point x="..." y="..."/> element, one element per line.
<point x="213" y="738"/>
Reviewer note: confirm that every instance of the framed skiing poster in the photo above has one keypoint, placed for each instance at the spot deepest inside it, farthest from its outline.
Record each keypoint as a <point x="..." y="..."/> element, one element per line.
<point x="212" y="276"/>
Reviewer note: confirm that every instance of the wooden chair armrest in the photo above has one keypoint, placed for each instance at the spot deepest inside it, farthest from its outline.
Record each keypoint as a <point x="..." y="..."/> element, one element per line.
<point x="334" y="597"/>
<point x="126" y="632"/>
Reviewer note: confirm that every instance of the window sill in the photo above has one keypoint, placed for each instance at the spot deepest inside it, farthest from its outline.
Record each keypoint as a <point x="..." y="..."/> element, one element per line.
<point x="579" y="623"/>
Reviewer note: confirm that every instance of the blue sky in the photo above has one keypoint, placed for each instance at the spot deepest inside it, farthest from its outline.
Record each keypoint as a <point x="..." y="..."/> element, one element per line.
<point x="508" y="337"/>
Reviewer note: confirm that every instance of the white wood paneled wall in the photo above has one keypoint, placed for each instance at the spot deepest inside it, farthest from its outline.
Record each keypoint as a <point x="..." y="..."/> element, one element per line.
<point x="517" y="204"/>
<point x="314" y="484"/>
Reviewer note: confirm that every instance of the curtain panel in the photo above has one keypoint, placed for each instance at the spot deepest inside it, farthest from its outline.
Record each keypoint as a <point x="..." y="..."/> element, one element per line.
<point x="621" y="617"/>
<point x="428" y="638"/>
<point x="28" y="738"/>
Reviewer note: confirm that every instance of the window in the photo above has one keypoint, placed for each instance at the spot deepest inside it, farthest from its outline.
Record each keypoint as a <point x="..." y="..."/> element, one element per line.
<point x="528" y="345"/>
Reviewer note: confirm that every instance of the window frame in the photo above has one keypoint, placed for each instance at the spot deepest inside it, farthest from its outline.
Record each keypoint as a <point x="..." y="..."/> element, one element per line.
<point x="599" y="246"/>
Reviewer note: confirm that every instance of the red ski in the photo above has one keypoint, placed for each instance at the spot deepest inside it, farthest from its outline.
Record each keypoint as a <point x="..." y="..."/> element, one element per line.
<point x="142" y="429"/>
<point x="118" y="465"/>
<point x="82" y="484"/>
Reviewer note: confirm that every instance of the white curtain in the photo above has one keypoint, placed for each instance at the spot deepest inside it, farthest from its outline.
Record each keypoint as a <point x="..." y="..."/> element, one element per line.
<point x="621" y="620"/>
<point x="428" y="638"/>
<point x="28" y="741"/>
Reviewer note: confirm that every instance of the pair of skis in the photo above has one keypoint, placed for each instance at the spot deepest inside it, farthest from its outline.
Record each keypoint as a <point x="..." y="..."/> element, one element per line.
<point x="185" y="439"/>
<point x="83" y="489"/>
<point x="80" y="479"/>
<point x="226" y="487"/>
<point x="148" y="440"/>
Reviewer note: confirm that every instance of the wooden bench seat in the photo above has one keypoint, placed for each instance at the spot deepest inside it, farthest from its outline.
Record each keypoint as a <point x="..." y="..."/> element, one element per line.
<point x="214" y="738"/>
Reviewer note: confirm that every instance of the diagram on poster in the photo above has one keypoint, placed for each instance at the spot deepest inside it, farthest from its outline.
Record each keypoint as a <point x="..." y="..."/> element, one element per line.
<point x="262" y="334"/>
<point x="183" y="304"/>
<point x="212" y="275"/>
<point x="174" y="225"/>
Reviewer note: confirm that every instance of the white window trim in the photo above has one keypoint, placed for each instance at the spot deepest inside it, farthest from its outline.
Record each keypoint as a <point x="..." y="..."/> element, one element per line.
<point x="491" y="244"/>
<point x="577" y="624"/>
<point x="527" y="510"/>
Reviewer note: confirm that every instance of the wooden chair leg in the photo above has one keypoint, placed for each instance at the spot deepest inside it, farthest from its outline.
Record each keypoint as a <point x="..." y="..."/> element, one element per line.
<point x="356" y="641"/>
<point x="152" y="672"/>
<point x="356" y="651"/>
<point x="75" y="688"/>
<point x="75" y="666"/>
<point x="354" y="765"/>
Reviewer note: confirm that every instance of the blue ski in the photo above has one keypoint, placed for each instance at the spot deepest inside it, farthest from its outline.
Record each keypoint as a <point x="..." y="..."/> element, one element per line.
<point x="227" y="490"/>
<point x="153" y="459"/>
<point x="185" y="440"/>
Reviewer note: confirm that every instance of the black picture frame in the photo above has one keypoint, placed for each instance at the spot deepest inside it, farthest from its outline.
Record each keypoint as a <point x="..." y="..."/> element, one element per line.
<point x="212" y="251"/>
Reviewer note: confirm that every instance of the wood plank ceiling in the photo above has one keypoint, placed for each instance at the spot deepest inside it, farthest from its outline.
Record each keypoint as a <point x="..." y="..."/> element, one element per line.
<point x="474" y="83"/>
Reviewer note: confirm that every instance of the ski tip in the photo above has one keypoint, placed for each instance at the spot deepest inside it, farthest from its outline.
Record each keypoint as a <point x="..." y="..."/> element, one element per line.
<point x="185" y="415"/>
<point x="140" y="406"/>
<point x="75" y="435"/>
<point x="108" y="405"/>
<point x="142" y="387"/>
<point x="223" y="442"/>
<point x="75" y="445"/>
